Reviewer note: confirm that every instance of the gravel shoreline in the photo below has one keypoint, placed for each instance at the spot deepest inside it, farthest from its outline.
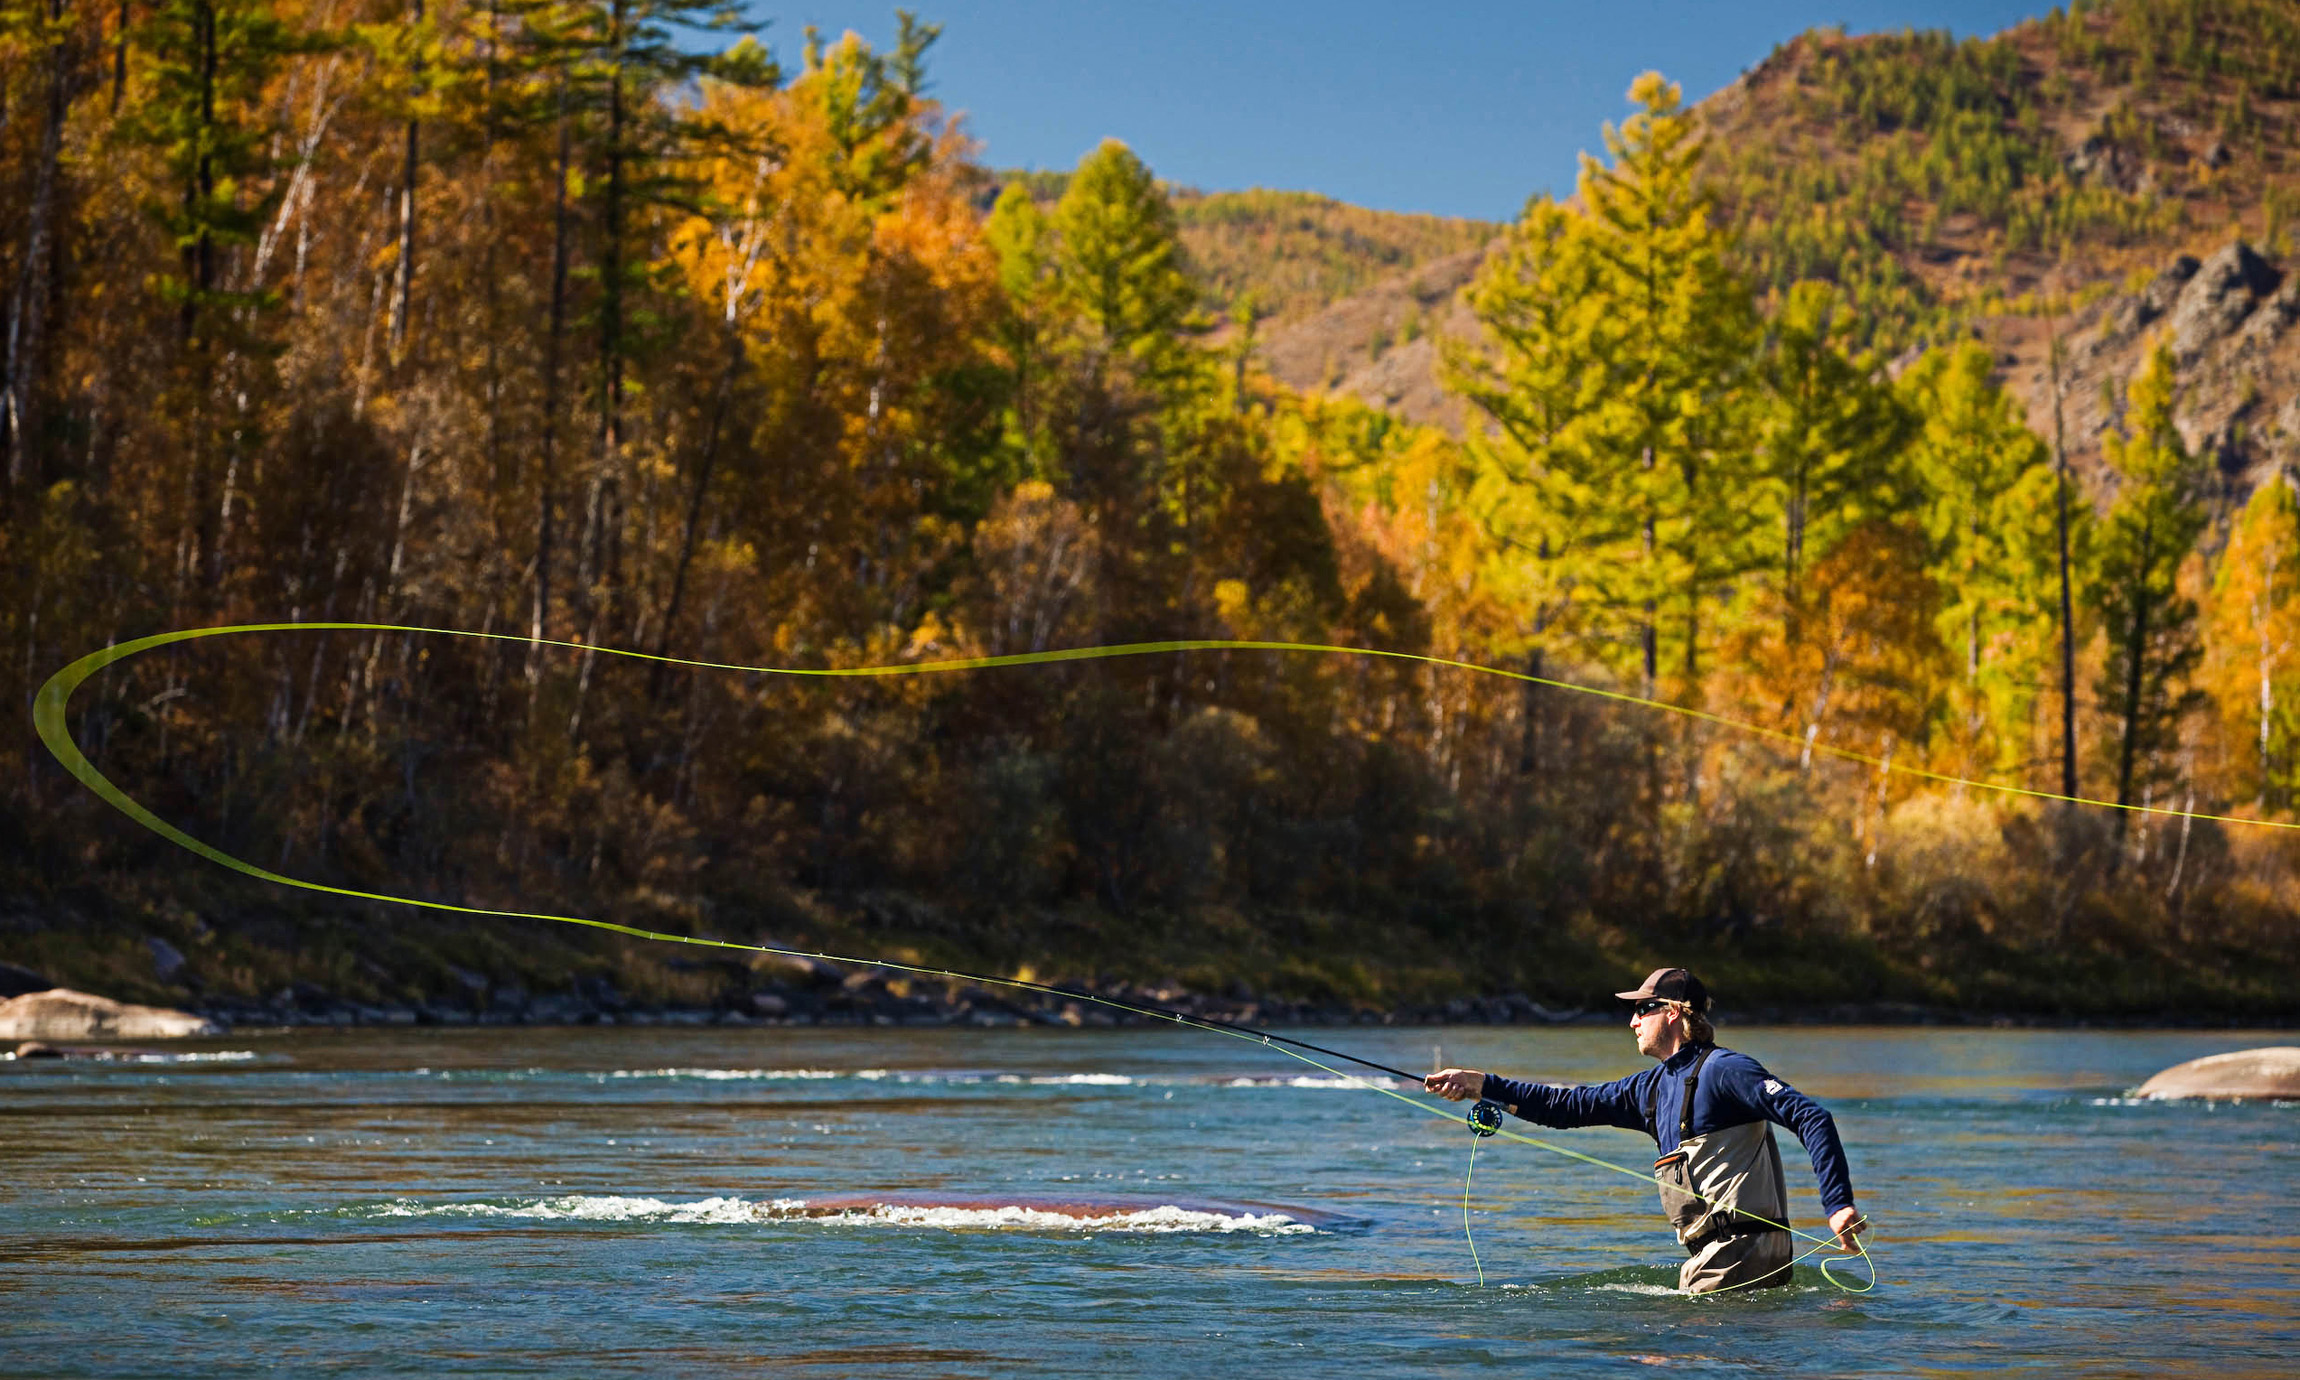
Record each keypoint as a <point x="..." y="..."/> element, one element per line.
<point x="865" y="998"/>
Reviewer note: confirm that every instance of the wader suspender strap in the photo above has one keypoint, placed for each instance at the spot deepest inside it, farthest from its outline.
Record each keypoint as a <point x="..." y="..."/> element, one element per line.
<point x="1684" y="1110"/>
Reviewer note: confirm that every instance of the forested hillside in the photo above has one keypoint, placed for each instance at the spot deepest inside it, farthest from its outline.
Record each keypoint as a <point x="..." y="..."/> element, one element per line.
<point x="2044" y="183"/>
<point x="1932" y="178"/>
<point x="1284" y="255"/>
<point x="522" y="319"/>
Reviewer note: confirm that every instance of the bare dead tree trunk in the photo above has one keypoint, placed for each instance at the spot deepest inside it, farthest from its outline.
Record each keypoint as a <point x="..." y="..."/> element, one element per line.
<point x="200" y="277"/>
<point x="703" y="468"/>
<point x="27" y="312"/>
<point x="2136" y="647"/>
<point x="492" y="292"/>
<point x="2262" y="607"/>
<point x="2180" y="856"/>
<point x="538" y="624"/>
<point x="404" y="289"/>
<point x="120" y="60"/>
<point x="603" y="513"/>
<point x="2067" y="597"/>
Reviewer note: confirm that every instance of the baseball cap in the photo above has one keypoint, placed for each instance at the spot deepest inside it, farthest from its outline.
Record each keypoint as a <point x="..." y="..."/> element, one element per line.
<point x="1671" y="984"/>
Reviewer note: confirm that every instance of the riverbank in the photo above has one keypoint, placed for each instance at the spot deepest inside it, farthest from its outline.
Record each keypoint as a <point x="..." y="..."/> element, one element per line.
<point x="867" y="998"/>
<point x="243" y="956"/>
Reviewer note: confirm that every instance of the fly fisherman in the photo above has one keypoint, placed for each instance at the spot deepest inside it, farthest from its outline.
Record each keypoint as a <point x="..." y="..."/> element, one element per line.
<point x="1707" y="1110"/>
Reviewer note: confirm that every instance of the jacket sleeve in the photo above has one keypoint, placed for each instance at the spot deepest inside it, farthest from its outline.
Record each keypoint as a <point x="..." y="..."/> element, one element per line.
<point x="1743" y="1085"/>
<point x="1619" y="1103"/>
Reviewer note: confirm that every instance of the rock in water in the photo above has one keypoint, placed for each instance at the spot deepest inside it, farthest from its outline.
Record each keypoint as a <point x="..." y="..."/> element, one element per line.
<point x="63" y="1014"/>
<point x="2246" y="1074"/>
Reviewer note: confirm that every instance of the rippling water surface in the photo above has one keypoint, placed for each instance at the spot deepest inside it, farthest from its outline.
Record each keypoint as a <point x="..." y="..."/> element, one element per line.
<point x="907" y="1202"/>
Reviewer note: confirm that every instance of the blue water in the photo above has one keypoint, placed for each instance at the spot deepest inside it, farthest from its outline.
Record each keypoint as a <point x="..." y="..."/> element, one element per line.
<point x="1166" y="1203"/>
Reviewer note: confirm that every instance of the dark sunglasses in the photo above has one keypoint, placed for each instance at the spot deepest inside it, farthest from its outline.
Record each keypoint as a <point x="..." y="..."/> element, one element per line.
<point x="1647" y="1008"/>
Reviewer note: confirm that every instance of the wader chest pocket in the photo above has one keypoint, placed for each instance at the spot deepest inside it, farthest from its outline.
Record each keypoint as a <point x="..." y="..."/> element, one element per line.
<point x="1679" y="1200"/>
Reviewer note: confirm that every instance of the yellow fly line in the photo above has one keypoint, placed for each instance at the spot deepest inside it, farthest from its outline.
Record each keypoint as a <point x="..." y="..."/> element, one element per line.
<point x="49" y="717"/>
<point x="48" y="706"/>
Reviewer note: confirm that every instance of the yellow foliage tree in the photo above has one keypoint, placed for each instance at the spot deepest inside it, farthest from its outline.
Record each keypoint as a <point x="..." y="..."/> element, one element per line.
<point x="855" y="271"/>
<point x="2252" y="641"/>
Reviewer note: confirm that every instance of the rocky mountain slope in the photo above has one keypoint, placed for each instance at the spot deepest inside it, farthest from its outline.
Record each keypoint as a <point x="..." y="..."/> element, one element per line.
<point x="2093" y="177"/>
<point x="2097" y="177"/>
<point x="1380" y="345"/>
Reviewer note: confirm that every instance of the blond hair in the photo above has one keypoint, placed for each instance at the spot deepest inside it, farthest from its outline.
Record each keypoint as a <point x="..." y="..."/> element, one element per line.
<point x="1697" y="1028"/>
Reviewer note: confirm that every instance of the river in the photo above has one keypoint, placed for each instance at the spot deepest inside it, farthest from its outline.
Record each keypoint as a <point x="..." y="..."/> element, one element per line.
<point x="912" y="1202"/>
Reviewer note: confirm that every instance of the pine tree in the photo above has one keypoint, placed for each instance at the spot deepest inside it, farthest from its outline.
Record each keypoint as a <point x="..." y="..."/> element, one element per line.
<point x="2146" y="537"/>
<point x="1536" y="301"/>
<point x="1018" y="233"/>
<point x="1622" y="343"/>
<point x="641" y="50"/>
<point x="1119" y="263"/>
<point x="1831" y="433"/>
<point x="206" y="118"/>
<point x="1981" y="470"/>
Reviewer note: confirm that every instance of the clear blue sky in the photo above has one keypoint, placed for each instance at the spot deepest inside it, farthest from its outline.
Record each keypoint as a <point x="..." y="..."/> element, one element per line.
<point x="1459" y="107"/>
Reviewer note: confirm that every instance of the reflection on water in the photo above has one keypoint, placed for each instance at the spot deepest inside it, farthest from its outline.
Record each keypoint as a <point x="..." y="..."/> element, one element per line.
<point x="693" y="1202"/>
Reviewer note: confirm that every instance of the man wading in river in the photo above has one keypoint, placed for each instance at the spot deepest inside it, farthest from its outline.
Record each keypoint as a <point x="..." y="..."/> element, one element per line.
<point x="1707" y="1110"/>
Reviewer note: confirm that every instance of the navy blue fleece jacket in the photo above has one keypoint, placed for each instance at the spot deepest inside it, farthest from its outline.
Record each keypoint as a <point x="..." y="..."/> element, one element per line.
<point x="1733" y="1090"/>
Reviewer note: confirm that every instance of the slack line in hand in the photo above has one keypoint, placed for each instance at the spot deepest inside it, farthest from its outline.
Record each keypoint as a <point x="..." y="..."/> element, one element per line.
<point x="1710" y="1112"/>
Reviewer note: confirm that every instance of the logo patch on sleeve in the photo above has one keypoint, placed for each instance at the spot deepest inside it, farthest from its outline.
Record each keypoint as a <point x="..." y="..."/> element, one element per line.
<point x="1772" y="1086"/>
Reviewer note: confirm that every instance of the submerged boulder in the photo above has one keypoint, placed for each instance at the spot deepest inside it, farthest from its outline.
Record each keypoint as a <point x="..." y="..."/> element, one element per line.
<point x="63" y="1014"/>
<point x="2245" y="1074"/>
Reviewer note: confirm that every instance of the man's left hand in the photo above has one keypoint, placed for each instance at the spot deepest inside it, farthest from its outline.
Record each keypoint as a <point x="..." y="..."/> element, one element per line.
<point x="1848" y="1223"/>
<point x="1456" y="1085"/>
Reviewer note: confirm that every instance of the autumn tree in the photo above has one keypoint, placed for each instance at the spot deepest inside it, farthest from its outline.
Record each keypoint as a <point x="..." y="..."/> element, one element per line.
<point x="56" y="47"/>
<point x="1534" y="298"/>
<point x="2252" y="635"/>
<point x="1862" y="664"/>
<point x="724" y="253"/>
<point x="870" y="426"/>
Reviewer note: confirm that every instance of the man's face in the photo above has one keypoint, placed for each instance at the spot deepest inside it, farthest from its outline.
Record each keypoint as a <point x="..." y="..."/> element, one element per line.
<point x="1654" y="1023"/>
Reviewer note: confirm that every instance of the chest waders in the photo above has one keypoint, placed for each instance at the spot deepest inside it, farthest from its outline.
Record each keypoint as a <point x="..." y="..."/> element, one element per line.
<point x="1724" y="1193"/>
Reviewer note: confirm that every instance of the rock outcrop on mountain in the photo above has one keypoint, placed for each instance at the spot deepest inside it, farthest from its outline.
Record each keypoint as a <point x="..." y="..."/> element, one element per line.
<point x="2216" y="300"/>
<point x="2229" y="317"/>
